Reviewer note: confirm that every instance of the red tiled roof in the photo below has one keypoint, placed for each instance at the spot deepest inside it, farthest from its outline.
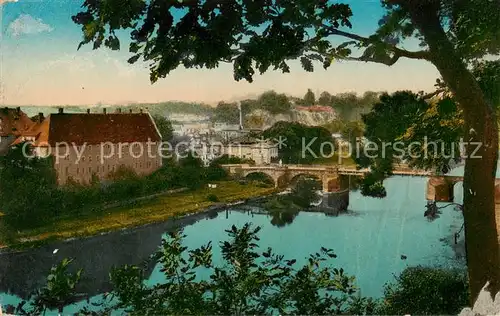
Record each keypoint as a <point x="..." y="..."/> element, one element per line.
<point x="13" y="122"/>
<point x="94" y="129"/>
<point x="314" y="108"/>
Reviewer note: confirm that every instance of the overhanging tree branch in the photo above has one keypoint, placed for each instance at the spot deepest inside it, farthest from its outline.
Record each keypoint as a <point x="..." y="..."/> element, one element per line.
<point x="386" y="59"/>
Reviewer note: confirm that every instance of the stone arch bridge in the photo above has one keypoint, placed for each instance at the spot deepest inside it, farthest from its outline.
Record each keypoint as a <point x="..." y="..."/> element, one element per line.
<point x="441" y="188"/>
<point x="335" y="179"/>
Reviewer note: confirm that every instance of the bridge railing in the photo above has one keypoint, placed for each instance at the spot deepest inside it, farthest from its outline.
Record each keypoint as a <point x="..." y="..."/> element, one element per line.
<point x="325" y="168"/>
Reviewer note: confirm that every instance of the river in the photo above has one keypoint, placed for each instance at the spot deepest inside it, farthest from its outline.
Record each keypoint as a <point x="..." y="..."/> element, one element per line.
<point x="369" y="241"/>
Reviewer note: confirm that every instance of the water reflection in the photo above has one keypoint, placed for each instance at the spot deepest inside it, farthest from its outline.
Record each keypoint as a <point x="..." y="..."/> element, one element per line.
<point x="23" y="272"/>
<point x="283" y="217"/>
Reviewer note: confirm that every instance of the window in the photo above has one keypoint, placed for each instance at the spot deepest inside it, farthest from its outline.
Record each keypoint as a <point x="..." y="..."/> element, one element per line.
<point x="66" y="170"/>
<point x="77" y="170"/>
<point x="90" y="158"/>
<point x="90" y="147"/>
<point x="83" y="159"/>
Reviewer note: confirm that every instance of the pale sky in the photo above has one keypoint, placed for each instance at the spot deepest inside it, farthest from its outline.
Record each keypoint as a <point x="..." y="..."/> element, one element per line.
<point x="41" y="66"/>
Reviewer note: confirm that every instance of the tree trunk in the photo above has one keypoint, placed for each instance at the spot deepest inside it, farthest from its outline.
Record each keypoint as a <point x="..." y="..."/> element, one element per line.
<point x="482" y="246"/>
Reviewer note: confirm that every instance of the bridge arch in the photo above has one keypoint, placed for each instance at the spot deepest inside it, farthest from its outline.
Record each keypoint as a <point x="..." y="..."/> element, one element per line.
<point x="261" y="176"/>
<point x="297" y="177"/>
<point x="333" y="185"/>
<point x="440" y="189"/>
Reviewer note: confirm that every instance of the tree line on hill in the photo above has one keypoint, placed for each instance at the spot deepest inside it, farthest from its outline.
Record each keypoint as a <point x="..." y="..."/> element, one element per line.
<point x="348" y="106"/>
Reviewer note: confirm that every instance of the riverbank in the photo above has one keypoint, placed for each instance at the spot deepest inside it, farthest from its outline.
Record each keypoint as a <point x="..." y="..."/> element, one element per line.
<point x="139" y="213"/>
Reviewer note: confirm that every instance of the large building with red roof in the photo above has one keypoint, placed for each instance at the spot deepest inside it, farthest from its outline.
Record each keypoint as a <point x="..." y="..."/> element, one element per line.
<point x="89" y="145"/>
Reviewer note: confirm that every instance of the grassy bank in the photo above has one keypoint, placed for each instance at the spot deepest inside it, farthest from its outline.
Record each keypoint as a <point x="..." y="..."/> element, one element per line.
<point x="140" y="213"/>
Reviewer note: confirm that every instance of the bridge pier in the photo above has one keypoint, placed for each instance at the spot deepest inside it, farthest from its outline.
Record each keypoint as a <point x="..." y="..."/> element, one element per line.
<point x="440" y="189"/>
<point x="335" y="202"/>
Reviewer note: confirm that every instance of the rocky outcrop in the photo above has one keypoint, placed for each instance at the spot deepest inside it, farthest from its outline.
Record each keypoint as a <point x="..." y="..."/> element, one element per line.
<point x="302" y="117"/>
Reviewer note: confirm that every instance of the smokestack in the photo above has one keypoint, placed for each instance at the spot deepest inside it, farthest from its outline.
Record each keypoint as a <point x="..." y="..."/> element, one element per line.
<point x="88" y="111"/>
<point x="61" y="110"/>
<point x="241" y="116"/>
<point x="104" y="111"/>
<point x="40" y="117"/>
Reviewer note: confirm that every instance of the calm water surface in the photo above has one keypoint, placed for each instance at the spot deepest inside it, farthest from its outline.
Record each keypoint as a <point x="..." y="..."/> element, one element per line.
<point x="369" y="241"/>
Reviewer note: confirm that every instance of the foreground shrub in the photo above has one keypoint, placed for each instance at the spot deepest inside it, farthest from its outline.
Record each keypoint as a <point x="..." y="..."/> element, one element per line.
<point x="212" y="198"/>
<point x="426" y="291"/>
<point x="28" y="189"/>
<point x="248" y="282"/>
<point x="216" y="173"/>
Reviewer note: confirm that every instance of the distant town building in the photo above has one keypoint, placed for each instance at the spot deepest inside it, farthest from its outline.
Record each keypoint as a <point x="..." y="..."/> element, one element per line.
<point x="191" y="128"/>
<point x="340" y="141"/>
<point x="260" y="151"/>
<point x="13" y="122"/>
<point x="188" y="118"/>
<point x="96" y="144"/>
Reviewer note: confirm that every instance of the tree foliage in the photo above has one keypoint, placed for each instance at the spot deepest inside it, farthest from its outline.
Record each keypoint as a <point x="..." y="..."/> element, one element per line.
<point x="302" y="144"/>
<point x="164" y="127"/>
<point x="27" y="187"/>
<point x="325" y="98"/>
<point x="59" y="292"/>
<point x="426" y="291"/>
<point x="422" y="134"/>
<point x="229" y="160"/>
<point x="226" y="113"/>
<point x="269" y="101"/>
<point x="192" y="173"/>
<point x="274" y="103"/>
<point x="309" y="98"/>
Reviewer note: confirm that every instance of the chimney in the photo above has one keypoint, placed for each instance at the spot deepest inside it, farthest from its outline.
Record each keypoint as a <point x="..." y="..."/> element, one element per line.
<point x="18" y="110"/>
<point x="130" y="111"/>
<point x="61" y="110"/>
<point x="104" y="111"/>
<point x="88" y="111"/>
<point x="40" y="117"/>
<point x="241" y="116"/>
<point x="141" y="110"/>
<point x="119" y="110"/>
